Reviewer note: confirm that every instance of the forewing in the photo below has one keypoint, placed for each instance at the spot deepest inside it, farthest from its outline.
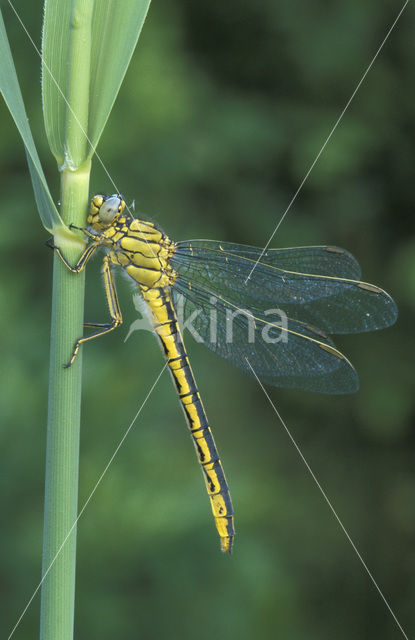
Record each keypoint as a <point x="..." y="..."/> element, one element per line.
<point x="315" y="285"/>
<point x="320" y="260"/>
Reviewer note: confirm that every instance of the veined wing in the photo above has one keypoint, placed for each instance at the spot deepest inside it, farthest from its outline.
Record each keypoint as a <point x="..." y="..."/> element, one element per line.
<point x="321" y="260"/>
<point x="290" y="354"/>
<point x="316" y="285"/>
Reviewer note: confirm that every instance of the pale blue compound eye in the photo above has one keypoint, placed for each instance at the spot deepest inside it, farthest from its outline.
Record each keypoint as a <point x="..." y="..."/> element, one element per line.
<point x="110" y="208"/>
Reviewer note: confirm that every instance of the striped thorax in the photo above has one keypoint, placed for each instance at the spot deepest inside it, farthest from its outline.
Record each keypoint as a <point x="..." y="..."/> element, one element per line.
<point x="137" y="246"/>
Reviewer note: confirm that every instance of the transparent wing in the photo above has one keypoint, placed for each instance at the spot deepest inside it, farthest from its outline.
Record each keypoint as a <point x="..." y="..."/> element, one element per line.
<point x="314" y="285"/>
<point x="322" y="260"/>
<point x="283" y="353"/>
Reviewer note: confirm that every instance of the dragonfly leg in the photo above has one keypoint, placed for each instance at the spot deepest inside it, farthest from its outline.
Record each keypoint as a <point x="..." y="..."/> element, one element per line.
<point x="114" y="309"/>
<point x="81" y="264"/>
<point x="84" y="230"/>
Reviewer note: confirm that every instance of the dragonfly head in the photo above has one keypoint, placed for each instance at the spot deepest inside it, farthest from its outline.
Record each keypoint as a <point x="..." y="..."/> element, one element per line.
<point x="105" y="210"/>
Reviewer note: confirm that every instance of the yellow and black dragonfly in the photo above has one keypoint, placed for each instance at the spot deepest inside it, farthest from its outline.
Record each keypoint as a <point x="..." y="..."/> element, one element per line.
<point x="266" y="312"/>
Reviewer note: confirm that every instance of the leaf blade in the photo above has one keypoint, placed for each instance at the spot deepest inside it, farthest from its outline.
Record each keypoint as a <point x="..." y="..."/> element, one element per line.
<point x="10" y="89"/>
<point x="55" y="46"/>
<point x="109" y="64"/>
<point x="116" y="28"/>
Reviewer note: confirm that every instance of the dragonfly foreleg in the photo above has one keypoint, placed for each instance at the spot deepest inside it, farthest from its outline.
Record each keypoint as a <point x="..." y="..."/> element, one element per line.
<point x="84" y="230"/>
<point x="81" y="264"/>
<point x="114" y="309"/>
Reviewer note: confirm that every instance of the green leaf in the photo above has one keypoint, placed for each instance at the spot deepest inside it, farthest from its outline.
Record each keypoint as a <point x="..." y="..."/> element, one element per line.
<point x="9" y="87"/>
<point x="116" y="27"/>
<point x="55" y="52"/>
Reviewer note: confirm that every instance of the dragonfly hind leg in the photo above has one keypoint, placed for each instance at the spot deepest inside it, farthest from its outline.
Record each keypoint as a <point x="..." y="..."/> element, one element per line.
<point x="114" y="309"/>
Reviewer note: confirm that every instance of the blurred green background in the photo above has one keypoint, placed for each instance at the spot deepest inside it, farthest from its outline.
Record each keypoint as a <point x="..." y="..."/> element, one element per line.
<point x="223" y="110"/>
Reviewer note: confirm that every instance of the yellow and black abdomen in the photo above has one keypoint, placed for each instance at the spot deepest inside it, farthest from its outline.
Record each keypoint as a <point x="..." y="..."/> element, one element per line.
<point x="164" y="320"/>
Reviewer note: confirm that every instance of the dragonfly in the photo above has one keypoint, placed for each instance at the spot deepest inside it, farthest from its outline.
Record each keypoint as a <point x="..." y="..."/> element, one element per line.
<point x="269" y="313"/>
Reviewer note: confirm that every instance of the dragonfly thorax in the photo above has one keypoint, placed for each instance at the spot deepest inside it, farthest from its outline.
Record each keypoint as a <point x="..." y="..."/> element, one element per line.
<point x="143" y="251"/>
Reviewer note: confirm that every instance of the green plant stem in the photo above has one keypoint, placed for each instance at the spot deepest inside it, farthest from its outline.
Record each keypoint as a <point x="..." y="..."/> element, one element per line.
<point x="62" y="451"/>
